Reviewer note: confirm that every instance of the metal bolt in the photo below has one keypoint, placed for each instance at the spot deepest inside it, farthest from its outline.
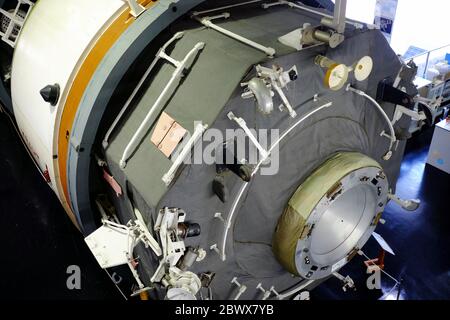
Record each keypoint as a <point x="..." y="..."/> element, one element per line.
<point x="242" y="288"/>
<point x="381" y="175"/>
<point x="272" y="289"/>
<point x="236" y="282"/>
<point x="219" y="216"/>
<point x="215" y="249"/>
<point x="266" y="293"/>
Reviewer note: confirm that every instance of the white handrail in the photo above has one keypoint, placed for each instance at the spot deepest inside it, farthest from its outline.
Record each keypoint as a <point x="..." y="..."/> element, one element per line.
<point x="207" y="22"/>
<point x="170" y="175"/>
<point x="162" y="99"/>
<point x="392" y="137"/>
<point x="119" y="117"/>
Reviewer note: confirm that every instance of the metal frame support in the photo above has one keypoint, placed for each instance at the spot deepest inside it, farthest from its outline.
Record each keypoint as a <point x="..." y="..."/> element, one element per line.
<point x="340" y="10"/>
<point x="178" y="74"/>
<point x="207" y="22"/>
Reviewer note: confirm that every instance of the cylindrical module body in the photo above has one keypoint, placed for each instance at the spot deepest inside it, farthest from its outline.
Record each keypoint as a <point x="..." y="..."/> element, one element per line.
<point x="50" y="51"/>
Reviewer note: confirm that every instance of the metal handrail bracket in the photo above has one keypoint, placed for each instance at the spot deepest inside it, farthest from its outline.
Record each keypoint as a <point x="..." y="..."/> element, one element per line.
<point x="207" y="22"/>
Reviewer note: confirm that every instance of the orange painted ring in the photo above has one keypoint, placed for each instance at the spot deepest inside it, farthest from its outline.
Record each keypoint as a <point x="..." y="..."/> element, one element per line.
<point x="81" y="81"/>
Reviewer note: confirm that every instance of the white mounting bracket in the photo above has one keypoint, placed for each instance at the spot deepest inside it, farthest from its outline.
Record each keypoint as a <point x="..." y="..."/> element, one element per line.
<point x="297" y="38"/>
<point x="136" y="9"/>
<point x="113" y="245"/>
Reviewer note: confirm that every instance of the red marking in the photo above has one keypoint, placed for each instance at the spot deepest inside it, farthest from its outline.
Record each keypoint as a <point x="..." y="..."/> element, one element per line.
<point x="46" y="174"/>
<point x="113" y="183"/>
<point x="378" y="261"/>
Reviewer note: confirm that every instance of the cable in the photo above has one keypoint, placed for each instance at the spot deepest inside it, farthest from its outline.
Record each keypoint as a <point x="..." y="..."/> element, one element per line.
<point x="392" y="137"/>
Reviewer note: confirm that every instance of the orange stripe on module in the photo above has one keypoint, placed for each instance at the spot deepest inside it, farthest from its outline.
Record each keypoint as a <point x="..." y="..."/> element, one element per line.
<point x="80" y="83"/>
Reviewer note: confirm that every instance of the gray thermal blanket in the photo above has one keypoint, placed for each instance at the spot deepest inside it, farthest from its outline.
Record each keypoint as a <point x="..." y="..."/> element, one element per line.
<point x="210" y="91"/>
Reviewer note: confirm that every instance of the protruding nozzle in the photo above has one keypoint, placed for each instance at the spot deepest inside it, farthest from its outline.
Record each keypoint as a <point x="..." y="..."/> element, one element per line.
<point x="408" y="205"/>
<point x="50" y="94"/>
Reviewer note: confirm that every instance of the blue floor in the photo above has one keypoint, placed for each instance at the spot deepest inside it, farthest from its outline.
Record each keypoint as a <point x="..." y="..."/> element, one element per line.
<point x="39" y="243"/>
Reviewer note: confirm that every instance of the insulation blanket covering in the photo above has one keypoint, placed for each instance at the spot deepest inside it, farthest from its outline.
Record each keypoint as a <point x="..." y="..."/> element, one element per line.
<point x="352" y="124"/>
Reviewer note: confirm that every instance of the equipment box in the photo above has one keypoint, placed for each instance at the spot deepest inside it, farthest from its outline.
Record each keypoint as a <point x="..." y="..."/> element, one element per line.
<point x="439" y="155"/>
